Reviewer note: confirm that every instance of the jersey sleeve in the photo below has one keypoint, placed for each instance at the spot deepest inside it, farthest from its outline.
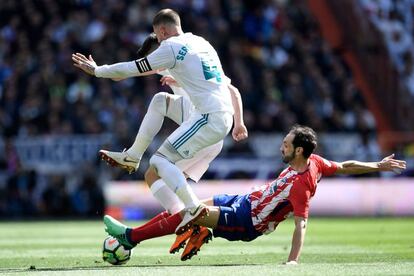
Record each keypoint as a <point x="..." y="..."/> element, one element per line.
<point x="327" y="167"/>
<point x="117" y="70"/>
<point x="299" y="198"/>
<point x="163" y="73"/>
<point x="162" y="58"/>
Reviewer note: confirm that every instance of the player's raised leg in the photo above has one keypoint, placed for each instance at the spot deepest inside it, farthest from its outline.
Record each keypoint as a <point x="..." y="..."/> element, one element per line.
<point x="164" y="195"/>
<point x="176" y="181"/>
<point x="195" y="134"/>
<point x="150" y="126"/>
<point x="130" y="237"/>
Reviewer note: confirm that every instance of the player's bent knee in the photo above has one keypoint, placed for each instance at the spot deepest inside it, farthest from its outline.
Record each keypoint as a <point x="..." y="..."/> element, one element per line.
<point x="169" y="152"/>
<point x="151" y="176"/>
<point x="154" y="161"/>
<point x="159" y="103"/>
<point x="157" y="161"/>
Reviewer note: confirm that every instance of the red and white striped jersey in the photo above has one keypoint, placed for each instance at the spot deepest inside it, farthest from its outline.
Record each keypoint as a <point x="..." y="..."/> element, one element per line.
<point x="290" y="192"/>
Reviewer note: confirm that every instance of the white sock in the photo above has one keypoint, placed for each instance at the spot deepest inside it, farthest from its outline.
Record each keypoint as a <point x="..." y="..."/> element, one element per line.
<point x="150" y="126"/>
<point x="175" y="180"/>
<point x="167" y="198"/>
<point x="187" y="195"/>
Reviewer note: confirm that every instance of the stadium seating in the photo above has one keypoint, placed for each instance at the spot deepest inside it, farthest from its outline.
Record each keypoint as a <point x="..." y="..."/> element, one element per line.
<point x="53" y="118"/>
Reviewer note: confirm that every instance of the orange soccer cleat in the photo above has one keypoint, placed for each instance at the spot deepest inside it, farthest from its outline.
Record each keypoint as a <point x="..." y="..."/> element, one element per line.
<point x="195" y="242"/>
<point x="181" y="240"/>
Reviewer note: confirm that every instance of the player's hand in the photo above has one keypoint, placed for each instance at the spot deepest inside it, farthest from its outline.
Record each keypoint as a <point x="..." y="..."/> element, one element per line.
<point x="291" y="263"/>
<point x="87" y="65"/>
<point x="240" y="132"/>
<point x="391" y="164"/>
<point x="168" y="80"/>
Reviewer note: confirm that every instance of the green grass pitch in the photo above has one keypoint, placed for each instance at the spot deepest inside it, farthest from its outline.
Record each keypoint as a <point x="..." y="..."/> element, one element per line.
<point x="333" y="246"/>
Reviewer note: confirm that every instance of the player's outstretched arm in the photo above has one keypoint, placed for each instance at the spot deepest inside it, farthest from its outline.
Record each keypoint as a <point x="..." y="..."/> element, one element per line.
<point x="152" y="72"/>
<point x="358" y="167"/>
<point x="117" y="71"/>
<point x="297" y="240"/>
<point x="239" y="129"/>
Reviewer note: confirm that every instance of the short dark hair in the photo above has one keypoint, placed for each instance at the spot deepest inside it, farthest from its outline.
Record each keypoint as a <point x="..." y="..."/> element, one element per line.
<point x="148" y="46"/>
<point x="305" y="137"/>
<point x="166" y="16"/>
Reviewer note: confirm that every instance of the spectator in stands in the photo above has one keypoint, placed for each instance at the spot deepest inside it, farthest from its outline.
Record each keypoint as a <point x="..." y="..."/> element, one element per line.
<point x="395" y="20"/>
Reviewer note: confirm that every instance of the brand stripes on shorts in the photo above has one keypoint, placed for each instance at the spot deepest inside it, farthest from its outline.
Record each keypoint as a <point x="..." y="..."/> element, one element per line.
<point x="189" y="133"/>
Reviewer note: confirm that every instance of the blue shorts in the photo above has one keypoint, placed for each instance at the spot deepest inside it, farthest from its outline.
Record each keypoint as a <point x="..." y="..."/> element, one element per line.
<point x="235" y="221"/>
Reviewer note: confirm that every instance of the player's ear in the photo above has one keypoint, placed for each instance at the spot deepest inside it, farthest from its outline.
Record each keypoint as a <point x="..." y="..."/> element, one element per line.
<point x="164" y="30"/>
<point x="299" y="150"/>
<point x="161" y="29"/>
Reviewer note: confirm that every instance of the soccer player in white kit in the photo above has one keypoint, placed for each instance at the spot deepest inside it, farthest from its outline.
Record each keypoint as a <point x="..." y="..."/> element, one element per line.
<point x="195" y="65"/>
<point x="177" y="107"/>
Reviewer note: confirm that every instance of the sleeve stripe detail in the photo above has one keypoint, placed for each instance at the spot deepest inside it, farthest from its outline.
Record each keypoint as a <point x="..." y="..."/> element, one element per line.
<point x="143" y="65"/>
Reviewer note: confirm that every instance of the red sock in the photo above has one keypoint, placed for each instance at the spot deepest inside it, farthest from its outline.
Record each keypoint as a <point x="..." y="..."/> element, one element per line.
<point x="160" y="216"/>
<point x="161" y="228"/>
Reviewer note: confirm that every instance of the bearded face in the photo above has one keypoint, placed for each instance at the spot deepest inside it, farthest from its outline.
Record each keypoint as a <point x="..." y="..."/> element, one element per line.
<point x="287" y="157"/>
<point x="287" y="149"/>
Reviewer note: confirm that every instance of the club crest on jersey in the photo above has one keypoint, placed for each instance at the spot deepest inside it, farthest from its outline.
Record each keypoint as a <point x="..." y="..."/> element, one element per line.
<point x="277" y="184"/>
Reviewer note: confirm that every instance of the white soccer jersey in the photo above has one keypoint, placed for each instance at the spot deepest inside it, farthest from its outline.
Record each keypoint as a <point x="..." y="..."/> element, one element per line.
<point x="195" y="65"/>
<point x="177" y="90"/>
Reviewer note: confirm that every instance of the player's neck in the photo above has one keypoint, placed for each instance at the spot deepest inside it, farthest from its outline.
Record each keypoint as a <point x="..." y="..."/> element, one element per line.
<point x="299" y="164"/>
<point x="176" y="31"/>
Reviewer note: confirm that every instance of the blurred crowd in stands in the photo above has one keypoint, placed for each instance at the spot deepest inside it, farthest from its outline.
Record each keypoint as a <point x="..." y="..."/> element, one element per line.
<point x="272" y="50"/>
<point x="273" y="53"/>
<point x="395" y="19"/>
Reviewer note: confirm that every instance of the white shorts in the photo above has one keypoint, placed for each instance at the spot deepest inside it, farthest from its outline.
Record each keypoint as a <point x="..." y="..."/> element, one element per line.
<point x="195" y="167"/>
<point x="179" y="108"/>
<point x="198" y="140"/>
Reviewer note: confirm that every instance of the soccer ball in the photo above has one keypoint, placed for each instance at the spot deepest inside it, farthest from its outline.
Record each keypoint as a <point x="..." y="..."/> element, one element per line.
<point x="114" y="253"/>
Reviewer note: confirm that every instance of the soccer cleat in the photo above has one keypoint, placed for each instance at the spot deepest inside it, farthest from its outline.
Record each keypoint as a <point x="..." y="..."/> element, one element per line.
<point x="181" y="240"/>
<point x="118" y="231"/>
<point x="190" y="216"/>
<point x="195" y="242"/>
<point x="120" y="159"/>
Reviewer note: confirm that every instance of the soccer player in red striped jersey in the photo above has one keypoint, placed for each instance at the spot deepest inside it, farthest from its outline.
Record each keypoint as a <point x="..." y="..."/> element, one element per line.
<point x="246" y="217"/>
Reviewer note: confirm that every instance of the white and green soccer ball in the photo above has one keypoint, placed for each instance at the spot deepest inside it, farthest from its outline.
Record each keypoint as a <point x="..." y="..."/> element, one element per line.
<point x="114" y="253"/>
